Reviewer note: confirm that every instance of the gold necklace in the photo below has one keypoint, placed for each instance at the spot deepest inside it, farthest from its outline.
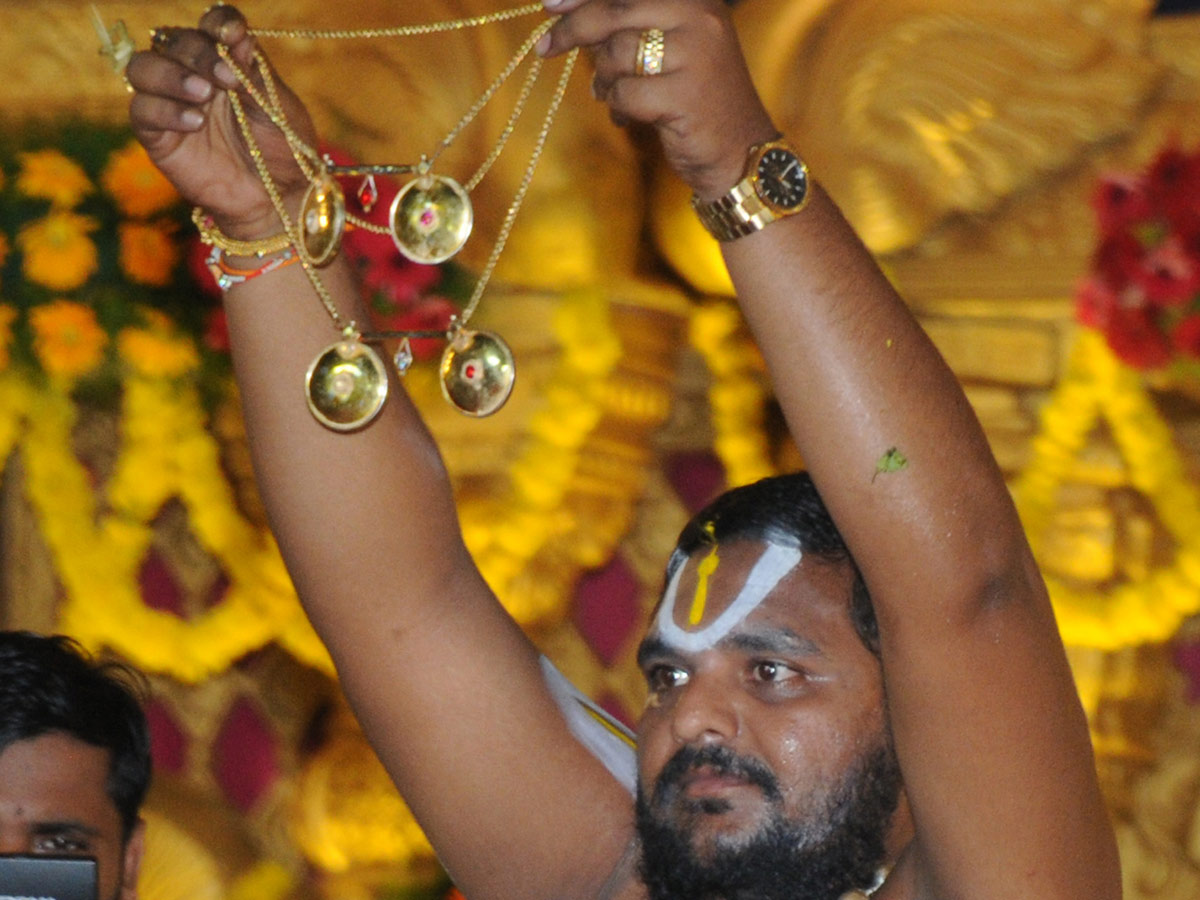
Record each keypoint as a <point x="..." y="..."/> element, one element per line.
<point x="430" y="219"/>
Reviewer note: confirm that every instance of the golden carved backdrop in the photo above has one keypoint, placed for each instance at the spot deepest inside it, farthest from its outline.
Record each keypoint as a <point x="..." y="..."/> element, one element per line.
<point x="962" y="139"/>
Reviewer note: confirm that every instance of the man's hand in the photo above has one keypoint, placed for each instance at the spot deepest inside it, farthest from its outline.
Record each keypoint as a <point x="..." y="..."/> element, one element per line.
<point x="703" y="103"/>
<point x="181" y="113"/>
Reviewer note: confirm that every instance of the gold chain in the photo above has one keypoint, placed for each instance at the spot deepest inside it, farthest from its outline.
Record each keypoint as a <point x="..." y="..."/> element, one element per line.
<point x="403" y="30"/>
<point x="272" y="190"/>
<point x="312" y="164"/>
<point x="510" y="217"/>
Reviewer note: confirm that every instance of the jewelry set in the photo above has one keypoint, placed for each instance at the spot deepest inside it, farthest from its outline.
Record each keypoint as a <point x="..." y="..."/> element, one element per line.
<point x="430" y="218"/>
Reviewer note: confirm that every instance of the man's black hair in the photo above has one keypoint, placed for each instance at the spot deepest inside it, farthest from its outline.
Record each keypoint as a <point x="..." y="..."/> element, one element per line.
<point x="786" y="510"/>
<point x="51" y="685"/>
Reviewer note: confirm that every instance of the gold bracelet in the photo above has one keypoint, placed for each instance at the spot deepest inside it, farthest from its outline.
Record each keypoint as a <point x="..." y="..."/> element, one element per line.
<point x="214" y="237"/>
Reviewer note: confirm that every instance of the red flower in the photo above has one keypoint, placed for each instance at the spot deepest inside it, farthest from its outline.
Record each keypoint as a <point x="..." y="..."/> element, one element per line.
<point x="216" y="331"/>
<point x="197" y="265"/>
<point x="1174" y="183"/>
<point x="1118" y="258"/>
<point x="1094" y="303"/>
<point x="1136" y="339"/>
<point x="1121" y="201"/>
<point x="1186" y="336"/>
<point x="432" y="313"/>
<point x="1168" y="274"/>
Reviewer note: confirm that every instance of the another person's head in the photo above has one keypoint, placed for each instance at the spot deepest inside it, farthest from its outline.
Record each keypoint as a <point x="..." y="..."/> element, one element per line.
<point x="766" y="760"/>
<point x="74" y="758"/>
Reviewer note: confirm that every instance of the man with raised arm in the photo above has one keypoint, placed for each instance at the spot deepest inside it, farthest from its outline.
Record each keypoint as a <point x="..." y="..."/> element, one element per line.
<point x="814" y="716"/>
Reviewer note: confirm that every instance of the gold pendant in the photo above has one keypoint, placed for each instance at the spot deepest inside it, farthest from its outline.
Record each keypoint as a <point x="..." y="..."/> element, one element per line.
<point x="346" y="385"/>
<point x="322" y="220"/>
<point x="477" y="372"/>
<point x="431" y="219"/>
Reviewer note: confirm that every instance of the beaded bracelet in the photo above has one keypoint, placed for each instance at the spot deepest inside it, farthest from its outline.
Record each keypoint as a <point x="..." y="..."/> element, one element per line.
<point x="226" y="276"/>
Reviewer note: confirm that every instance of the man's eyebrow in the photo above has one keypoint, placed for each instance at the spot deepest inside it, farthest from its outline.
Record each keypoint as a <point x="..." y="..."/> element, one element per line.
<point x="773" y="640"/>
<point x="653" y="647"/>
<point x="67" y="825"/>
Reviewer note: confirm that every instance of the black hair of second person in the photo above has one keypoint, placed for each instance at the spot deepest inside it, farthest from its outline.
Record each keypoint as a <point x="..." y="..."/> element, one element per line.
<point x="51" y="685"/>
<point x="782" y="509"/>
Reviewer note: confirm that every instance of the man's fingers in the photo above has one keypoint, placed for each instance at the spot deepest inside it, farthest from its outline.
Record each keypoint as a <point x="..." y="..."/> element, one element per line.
<point x="150" y="113"/>
<point x="153" y="73"/>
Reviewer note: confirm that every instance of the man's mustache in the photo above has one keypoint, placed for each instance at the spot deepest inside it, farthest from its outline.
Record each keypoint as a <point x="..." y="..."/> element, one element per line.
<point x="722" y="761"/>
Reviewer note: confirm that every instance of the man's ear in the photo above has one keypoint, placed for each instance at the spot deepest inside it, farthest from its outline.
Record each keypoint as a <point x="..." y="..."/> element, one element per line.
<point x="131" y="862"/>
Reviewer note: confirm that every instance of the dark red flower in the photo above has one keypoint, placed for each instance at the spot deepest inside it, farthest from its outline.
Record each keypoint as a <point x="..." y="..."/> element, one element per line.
<point x="196" y="254"/>
<point x="216" y="331"/>
<point x="1186" y="336"/>
<point x="1135" y="338"/>
<point x="431" y="313"/>
<point x="1168" y="274"/>
<point x="1118" y="259"/>
<point x="1174" y="184"/>
<point x="1122" y="201"/>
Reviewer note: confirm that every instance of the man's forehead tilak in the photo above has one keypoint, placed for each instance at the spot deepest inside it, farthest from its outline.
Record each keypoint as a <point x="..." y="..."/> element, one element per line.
<point x="772" y="566"/>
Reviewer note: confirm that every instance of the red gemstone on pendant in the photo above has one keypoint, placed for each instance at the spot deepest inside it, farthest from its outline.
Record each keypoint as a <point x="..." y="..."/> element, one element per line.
<point x="428" y="217"/>
<point x="469" y="371"/>
<point x="368" y="194"/>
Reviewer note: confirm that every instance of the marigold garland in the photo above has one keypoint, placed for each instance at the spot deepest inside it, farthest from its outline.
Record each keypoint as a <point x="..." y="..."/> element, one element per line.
<point x="737" y="395"/>
<point x="1097" y="386"/>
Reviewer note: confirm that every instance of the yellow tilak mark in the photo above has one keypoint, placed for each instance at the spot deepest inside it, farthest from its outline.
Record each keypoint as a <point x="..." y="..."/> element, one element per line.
<point x="708" y="565"/>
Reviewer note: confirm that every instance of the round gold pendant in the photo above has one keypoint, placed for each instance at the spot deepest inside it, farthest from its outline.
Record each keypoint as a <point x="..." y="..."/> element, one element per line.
<point x="431" y="219"/>
<point x="346" y="385"/>
<point x="322" y="220"/>
<point x="477" y="372"/>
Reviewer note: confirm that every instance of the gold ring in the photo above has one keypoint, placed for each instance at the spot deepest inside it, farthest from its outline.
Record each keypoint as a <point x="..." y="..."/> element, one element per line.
<point x="652" y="47"/>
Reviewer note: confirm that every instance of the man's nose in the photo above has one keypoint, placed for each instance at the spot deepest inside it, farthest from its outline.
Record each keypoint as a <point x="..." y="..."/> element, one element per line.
<point x="705" y="712"/>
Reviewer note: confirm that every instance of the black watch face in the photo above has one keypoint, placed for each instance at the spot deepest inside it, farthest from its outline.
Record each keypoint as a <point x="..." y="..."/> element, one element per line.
<point x="781" y="178"/>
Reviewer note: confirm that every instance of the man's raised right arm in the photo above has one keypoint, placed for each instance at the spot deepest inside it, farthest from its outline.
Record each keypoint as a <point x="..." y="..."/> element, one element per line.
<point x="447" y="688"/>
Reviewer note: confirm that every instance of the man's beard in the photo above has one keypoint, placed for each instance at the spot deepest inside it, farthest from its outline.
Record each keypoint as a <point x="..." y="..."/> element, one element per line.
<point x="835" y="848"/>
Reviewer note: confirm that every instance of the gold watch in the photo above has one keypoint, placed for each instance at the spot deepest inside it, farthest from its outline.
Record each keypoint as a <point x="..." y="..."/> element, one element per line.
<point x="775" y="184"/>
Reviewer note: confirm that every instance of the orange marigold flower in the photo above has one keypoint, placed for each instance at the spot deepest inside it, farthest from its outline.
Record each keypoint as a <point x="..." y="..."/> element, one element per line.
<point x="7" y="314"/>
<point x="137" y="187"/>
<point x="50" y="174"/>
<point x="157" y="354"/>
<point x="66" y="337"/>
<point x="148" y="254"/>
<point x="58" y="252"/>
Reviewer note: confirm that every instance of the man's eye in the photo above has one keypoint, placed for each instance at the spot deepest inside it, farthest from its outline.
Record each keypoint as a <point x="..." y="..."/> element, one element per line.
<point x="769" y="671"/>
<point x="664" y="678"/>
<point x="60" y="844"/>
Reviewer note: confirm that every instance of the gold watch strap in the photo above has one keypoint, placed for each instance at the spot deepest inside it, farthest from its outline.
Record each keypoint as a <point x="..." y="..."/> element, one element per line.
<point x="736" y="214"/>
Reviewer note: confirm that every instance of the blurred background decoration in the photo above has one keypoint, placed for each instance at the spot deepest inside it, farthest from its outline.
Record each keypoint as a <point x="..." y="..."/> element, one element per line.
<point x="1028" y="174"/>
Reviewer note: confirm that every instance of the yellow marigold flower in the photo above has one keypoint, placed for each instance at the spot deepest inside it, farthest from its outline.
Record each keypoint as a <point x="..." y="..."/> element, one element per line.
<point x="148" y="254"/>
<point x="7" y="314"/>
<point x="137" y="187"/>
<point x="66" y="337"/>
<point x="156" y="354"/>
<point x="50" y="174"/>
<point x="58" y="252"/>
